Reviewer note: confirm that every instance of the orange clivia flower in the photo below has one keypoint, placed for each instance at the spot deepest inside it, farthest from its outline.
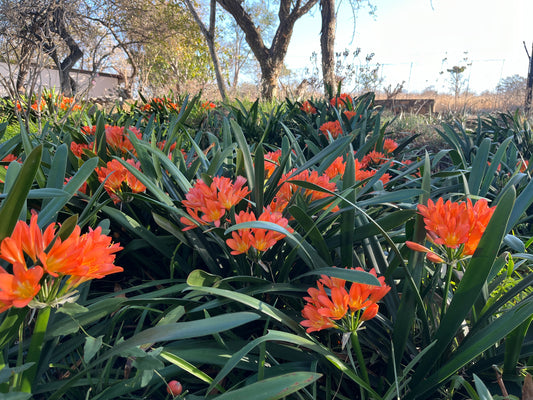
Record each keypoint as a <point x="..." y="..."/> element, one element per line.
<point x="271" y="162"/>
<point x="343" y="308"/>
<point x="260" y="239"/>
<point x="208" y="105"/>
<point x="336" y="168"/>
<point x="19" y="289"/>
<point x="208" y="204"/>
<point x="119" y="181"/>
<point x="117" y="138"/>
<point x="288" y="189"/>
<point x="333" y="127"/>
<point x="39" y="105"/>
<point x="77" y="148"/>
<point x="88" y="130"/>
<point x="374" y="158"/>
<point x="350" y="114"/>
<point x="389" y="145"/>
<point x="80" y="257"/>
<point x="342" y="100"/>
<point x="455" y="224"/>
<point x="308" y="108"/>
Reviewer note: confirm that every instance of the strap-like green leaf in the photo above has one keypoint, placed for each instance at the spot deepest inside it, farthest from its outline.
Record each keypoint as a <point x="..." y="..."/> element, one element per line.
<point x="16" y="198"/>
<point x="272" y="388"/>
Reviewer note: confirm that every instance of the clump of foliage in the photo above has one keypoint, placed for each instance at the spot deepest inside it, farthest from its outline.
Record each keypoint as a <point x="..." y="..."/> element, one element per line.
<point x="296" y="251"/>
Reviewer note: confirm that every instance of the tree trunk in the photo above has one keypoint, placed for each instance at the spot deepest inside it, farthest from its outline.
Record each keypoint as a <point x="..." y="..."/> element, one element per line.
<point x="270" y="59"/>
<point x="68" y="85"/>
<point x="327" y="45"/>
<point x="209" y="35"/>
<point x="270" y="73"/>
<point x="529" y="84"/>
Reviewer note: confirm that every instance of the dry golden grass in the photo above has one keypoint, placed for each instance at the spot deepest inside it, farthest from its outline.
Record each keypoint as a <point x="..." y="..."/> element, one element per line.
<point x="465" y="103"/>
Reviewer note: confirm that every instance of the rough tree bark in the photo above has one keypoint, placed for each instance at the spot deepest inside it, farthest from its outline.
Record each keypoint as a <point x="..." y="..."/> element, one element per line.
<point x="327" y="45"/>
<point x="209" y="35"/>
<point x="529" y="84"/>
<point x="68" y="85"/>
<point x="270" y="59"/>
<point x="40" y="25"/>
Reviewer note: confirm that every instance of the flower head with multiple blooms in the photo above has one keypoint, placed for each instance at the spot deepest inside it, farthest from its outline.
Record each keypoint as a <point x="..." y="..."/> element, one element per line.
<point x="117" y="139"/>
<point x="341" y="100"/>
<point x="41" y="259"/>
<point x="308" y="108"/>
<point x="119" y="181"/>
<point x="334" y="305"/>
<point x="207" y="204"/>
<point x="332" y="127"/>
<point x="457" y="226"/>
<point x="242" y="240"/>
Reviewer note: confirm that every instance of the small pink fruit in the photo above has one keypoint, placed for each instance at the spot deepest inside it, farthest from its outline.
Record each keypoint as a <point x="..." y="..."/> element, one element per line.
<point x="174" y="388"/>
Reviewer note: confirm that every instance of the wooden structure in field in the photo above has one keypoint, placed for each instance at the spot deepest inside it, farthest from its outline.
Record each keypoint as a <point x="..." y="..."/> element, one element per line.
<point x="415" y="106"/>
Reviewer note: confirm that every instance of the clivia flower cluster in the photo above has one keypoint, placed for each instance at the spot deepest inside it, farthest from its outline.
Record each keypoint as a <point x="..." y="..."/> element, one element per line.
<point x="455" y="227"/>
<point x="46" y="269"/>
<point x="364" y="169"/>
<point x="116" y="139"/>
<point x="207" y="204"/>
<point x="158" y="103"/>
<point x="342" y="308"/>
<point x="120" y="183"/>
<point x="210" y="204"/>
<point x="260" y="239"/>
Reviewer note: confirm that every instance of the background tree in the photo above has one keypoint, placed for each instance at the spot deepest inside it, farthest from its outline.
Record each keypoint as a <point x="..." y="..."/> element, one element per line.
<point x="456" y="81"/>
<point x="209" y="35"/>
<point x="529" y="85"/>
<point x="236" y="55"/>
<point x="161" y="42"/>
<point x="271" y="58"/>
<point x="327" y="43"/>
<point x="511" y="91"/>
<point x="42" y="25"/>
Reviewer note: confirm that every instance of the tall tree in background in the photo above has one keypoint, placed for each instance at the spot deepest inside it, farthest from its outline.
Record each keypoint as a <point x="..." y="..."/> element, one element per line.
<point x="236" y="56"/>
<point x="42" y="25"/>
<point x="209" y="35"/>
<point x="161" y="42"/>
<point x="327" y="44"/>
<point x="271" y="58"/>
<point x="529" y="84"/>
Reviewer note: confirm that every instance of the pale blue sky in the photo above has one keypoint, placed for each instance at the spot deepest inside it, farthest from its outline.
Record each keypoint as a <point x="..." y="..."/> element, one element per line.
<point x="410" y="38"/>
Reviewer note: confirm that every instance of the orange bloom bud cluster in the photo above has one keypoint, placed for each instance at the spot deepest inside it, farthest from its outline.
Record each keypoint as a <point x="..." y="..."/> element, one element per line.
<point x="35" y="254"/>
<point x="119" y="181"/>
<point x="208" y="204"/>
<point x="271" y="162"/>
<point x="389" y="145"/>
<point x="308" y="108"/>
<point x="158" y="103"/>
<point x="341" y="100"/>
<point x="288" y="189"/>
<point x="455" y="224"/>
<point x="208" y="105"/>
<point x="350" y="114"/>
<point x="333" y="127"/>
<point x="342" y="308"/>
<point x="338" y="167"/>
<point x="39" y="105"/>
<point x="116" y="138"/>
<point x="260" y="239"/>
